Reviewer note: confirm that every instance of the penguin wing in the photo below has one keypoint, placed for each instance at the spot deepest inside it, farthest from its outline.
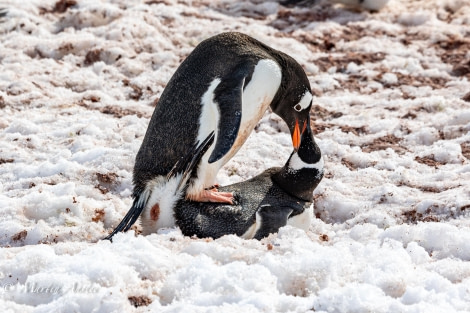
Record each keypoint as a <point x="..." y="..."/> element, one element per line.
<point x="271" y="218"/>
<point x="188" y="163"/>
<point x="228" y="95"/>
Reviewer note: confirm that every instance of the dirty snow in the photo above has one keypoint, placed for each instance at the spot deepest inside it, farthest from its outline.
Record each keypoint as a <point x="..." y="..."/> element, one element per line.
<point x="391" y="114"/>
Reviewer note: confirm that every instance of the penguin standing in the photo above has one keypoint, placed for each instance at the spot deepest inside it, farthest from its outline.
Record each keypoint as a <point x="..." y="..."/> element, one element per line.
<point x="225" y="85"/>
<point x="263" y="204"/>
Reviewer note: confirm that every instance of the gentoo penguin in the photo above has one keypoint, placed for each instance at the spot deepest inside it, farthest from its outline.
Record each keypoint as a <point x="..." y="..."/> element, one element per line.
<point x="369" y="5"/>
<point x="263" y="204"/>
<point x="225" y="85"/>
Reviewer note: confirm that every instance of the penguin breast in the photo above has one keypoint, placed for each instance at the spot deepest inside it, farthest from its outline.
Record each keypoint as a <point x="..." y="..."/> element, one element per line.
<point x="257" y="95"/>
<point x="256" y="98"/>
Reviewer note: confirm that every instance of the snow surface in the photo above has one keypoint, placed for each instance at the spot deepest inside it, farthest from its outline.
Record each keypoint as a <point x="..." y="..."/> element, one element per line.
<point x="391" y="115"/>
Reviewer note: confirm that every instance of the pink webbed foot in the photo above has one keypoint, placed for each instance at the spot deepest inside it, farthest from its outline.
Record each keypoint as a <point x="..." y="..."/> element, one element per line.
<point x="213" y="195"/>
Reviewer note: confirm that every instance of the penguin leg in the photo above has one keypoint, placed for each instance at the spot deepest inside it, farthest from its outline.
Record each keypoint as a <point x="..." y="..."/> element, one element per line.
<point x="188" y="165"/>
<point x="215" y="188"/>
<point x="212" y="195"/>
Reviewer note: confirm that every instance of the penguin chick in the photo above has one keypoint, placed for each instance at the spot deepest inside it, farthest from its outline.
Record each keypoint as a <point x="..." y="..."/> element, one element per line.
<point x="224" y="85"/>
<point x="263" y="204"/>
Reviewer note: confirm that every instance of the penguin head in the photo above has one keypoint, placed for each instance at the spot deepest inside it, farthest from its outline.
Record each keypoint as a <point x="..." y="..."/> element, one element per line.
<point x="293" y="99"/>
<point x="304" y="170"/>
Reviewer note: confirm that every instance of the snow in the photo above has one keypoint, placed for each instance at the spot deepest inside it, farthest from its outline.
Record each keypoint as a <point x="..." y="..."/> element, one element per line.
<point x="391" y="233"/>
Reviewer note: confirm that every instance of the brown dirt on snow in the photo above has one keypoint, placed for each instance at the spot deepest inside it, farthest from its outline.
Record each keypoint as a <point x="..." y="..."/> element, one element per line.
<point x="93" y="56"/>
<point x="138" y="301"/>
<point x="341" y="62"/>
<point x="454" y="52"/>
<point x="20" y="236"/>
<point x="429" y="161"/>
<point x="414" y="217"/>
<point x="116" y="111"/>
<point x="465" y="149"/>
<point x="383" y="143"/>
<point x="318" y="112"/>
<point x="3" y="161"/>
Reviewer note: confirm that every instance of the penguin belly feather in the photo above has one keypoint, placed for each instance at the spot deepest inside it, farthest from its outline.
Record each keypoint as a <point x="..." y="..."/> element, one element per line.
<point x="158" y="212"/>
<point x="256" y="98"/>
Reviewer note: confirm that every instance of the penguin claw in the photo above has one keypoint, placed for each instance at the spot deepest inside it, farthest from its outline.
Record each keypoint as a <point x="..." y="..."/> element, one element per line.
<point x="213" y="187"/>
<point x="214" y="196"/>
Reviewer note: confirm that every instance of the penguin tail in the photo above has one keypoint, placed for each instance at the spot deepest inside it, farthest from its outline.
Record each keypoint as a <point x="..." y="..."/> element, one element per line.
<point x="140" y="201"/>
<point x="187" y="165"/>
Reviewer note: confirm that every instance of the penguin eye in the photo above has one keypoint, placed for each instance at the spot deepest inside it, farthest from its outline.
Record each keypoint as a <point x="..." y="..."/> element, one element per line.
<point x="298" y="107"/>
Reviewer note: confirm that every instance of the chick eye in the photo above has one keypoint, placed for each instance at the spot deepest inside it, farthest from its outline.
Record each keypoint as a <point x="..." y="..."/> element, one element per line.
<point x="298" y="107"/>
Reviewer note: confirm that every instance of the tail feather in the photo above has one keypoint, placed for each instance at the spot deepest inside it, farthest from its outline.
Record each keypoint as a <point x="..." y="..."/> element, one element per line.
<point x="140" y="201"/>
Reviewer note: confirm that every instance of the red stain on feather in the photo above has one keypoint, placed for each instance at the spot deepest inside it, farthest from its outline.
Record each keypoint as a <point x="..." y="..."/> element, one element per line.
<point x="155" y="212"/>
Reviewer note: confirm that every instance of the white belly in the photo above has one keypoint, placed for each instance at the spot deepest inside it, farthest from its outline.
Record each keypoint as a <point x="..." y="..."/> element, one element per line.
<point x="256" y="98"/>
<point x="158" y="211"/>
<point x="302" y="220"/>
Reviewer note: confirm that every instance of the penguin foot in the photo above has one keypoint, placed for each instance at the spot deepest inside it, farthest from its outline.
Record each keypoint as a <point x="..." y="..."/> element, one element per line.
<point x="213" y="195"/>
<point x="213" y="187"/>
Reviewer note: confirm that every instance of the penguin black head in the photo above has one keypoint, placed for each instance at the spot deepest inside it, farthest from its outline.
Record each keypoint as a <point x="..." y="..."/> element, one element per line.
<point x="293" y="99"/>
<point x="304" y="169"/>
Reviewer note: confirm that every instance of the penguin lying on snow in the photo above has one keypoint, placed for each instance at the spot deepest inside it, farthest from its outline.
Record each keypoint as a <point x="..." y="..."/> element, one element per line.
<point x="263" y="204"/>
<point x="225" y="85"/>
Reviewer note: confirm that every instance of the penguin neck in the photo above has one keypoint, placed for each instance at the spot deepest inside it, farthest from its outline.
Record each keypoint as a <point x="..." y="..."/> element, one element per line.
<point x="302" y="172"/>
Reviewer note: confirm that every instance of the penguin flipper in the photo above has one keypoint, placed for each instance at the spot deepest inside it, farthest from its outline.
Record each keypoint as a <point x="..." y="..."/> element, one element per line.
<point x="187" y="164"/>
<point x="271" y="218"/>
<point x="229" y="96"/>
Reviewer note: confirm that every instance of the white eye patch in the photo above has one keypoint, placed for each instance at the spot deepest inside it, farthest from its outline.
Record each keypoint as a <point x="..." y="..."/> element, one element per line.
<point x="304" y="102"/>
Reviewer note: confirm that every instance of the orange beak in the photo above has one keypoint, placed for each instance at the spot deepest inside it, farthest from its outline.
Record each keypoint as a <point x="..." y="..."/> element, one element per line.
<point x="297" y="134"/>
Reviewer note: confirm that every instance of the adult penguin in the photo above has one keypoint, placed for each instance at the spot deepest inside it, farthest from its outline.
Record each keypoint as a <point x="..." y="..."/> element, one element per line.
<point x="225" y="85"/>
